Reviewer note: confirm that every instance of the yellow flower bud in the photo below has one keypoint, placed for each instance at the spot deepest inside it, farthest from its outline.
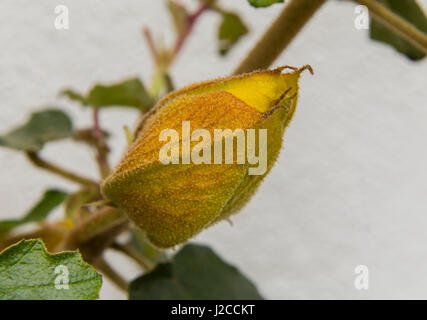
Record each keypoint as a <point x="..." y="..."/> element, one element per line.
<point x="173" y="202"/>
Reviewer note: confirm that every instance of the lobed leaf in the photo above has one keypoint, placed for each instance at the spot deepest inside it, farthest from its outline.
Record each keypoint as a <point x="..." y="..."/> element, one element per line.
<point x="28" y="272"/>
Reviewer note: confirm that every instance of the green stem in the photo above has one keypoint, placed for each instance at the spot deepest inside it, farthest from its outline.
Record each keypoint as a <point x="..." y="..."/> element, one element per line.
<point x="280" y="34"/>
<point x="96" y="233"/>
<point x="397" y="24"/>
<point x="43" y="164"/>
<point x="102" y="266"/>
<point x="145" y="264"/>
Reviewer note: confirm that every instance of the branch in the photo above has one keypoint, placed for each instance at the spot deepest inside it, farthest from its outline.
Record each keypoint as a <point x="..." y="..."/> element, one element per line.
<point x="43" y="164"/>
<point x="280" y="34"/>
<point x="397" y="24"/>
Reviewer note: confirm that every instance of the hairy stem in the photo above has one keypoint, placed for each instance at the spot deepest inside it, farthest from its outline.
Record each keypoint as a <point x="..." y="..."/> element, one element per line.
<point x="43" y="164"/>
<point x="280" y="34"/>
<point x="95" y="234"/>
<point x="102" y="149"/>
<point x="397" y="24"/>
<point x="145" y="264"/>
<point x="102" y="266"/>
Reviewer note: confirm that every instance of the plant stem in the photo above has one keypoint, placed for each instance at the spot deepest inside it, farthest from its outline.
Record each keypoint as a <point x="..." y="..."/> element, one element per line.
<point x="102" y="149"/>
<point x="145" y="264"/>
<point x="192" y="19"/>
<point x="102" y="266"/>
<point x="164" y="59"/>
<point x="96" y="233"/>
<point x="280" y="34"/>
<point x="146" y="32"/>
<point x="397" y="24"/>
<point x="43" y="164"/>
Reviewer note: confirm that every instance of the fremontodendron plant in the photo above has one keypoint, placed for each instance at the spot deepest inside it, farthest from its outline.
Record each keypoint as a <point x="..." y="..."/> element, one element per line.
<point x="161" y="204"/>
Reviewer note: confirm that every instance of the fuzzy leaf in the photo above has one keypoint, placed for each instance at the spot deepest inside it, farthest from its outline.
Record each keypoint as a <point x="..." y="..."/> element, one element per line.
<point x="263" y="3"/>
<point x="412" y="12"/>
<point x="50" y="200"/>
<point x="230" y="31"/>
<point x="42" y="127"/>
<point x="28" y="272"/>
<point x="196" y="273"/>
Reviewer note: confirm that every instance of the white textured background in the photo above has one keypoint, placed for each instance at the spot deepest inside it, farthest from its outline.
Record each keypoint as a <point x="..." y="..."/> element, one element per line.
<point x="350" y="186"/>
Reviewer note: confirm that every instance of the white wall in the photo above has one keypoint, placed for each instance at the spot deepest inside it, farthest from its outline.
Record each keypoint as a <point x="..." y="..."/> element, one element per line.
<point x="350" y="185"/>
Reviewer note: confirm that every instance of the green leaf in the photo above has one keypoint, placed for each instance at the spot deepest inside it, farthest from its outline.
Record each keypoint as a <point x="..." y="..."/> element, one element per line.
<point x="74" y="96"/>
<point x="264" y="3"/>
<point x="409" y="10"/>
<point x="50" y="200"/>
<point x="43" y="126"/>
<point x="130" y="93"/>
<point x="230" y="31"/>
<point x="28" y="272"/>
<point x="179" y="14"/>
<point x="196" y="273"/>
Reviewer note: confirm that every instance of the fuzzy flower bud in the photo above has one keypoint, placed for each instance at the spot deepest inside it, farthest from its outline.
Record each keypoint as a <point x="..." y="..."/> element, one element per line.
<point x="177" y="177"/>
